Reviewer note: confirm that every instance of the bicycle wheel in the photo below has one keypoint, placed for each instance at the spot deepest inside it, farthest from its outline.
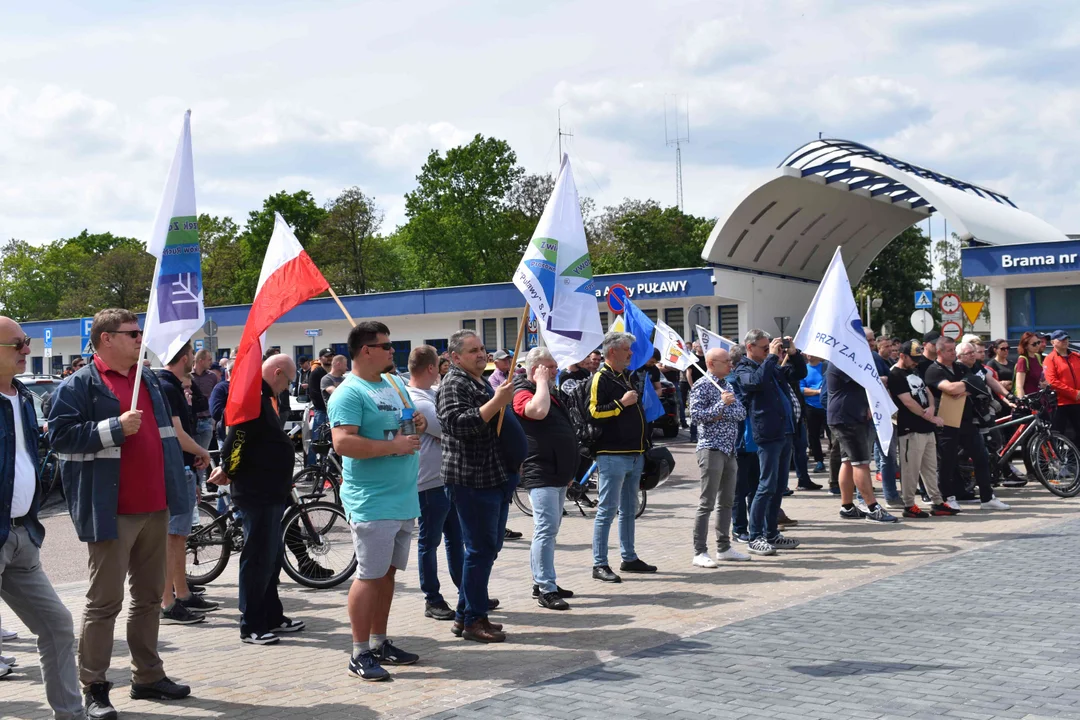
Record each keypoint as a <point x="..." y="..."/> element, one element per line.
<point x="208" y="546"/>
<point x="523" y="500"/>
<point x="50" y="477"/>
<point x="642" y="501"/>
<point x="1056" y="461"/>
<point x="312" y="481"/>
<point x="318" y="545"/>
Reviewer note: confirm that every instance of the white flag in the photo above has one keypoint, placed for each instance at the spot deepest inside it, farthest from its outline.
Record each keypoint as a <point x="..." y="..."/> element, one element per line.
<point x="555" y="276"/>
<point x="832" y="330"/>
<point x="709" y="340"/>
<point x="175" y="311"/>
<point x="673" y="351"/>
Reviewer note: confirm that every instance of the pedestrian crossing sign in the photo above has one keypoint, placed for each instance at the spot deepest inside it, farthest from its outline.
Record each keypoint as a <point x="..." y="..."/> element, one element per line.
<point x="924" y="299"/>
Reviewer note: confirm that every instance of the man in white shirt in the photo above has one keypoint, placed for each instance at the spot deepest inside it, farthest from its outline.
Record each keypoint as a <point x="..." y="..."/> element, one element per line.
<point x="23" y="584"/>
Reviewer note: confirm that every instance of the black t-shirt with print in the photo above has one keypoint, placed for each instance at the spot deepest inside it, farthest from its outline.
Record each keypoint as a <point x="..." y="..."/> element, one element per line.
<point x="908" y="381"/>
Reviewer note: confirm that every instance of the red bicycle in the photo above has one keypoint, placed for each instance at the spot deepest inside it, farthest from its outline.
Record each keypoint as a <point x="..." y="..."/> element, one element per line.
<point x="1050" y="456"/>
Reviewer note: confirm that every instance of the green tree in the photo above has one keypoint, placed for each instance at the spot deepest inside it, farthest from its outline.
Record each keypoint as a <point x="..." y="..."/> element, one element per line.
<point x="222" y="258"/>
<point x="947" y="259"/>
<point x="642" y="235"/>
<point x="899" y="270"/>
<point x="299" y="210"/>
<point x="459" y="230"/>
<point x="25" y="293"/>
<point x="348" y="249"/>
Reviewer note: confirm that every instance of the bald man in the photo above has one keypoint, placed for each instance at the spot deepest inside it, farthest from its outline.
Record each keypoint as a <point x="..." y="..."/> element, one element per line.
<point x="257" y="460"/>
<point x="23" y="584"/>
<point x="717" y="413"/>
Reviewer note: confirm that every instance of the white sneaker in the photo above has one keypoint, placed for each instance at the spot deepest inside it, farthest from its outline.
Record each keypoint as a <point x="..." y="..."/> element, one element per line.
<point x="732" y="555"/>
<point x="4" y="669"/>
<point x="994" y="504"/>
<point x="9" y="660"/>
<point x="951" y="502"/>
<point x="8" y="635"/>
<point x="703" y="560"/>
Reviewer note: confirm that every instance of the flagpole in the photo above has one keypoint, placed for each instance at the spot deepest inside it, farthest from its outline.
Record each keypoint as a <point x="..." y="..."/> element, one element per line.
<point x="342" y="306"/>
<point x="146" y="327"/>
<point x="513" y="358"/>
<point x="708" y="376"/>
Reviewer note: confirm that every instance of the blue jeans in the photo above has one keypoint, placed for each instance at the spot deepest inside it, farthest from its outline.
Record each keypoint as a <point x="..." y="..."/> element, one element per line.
<point x="438" y="522"/>
<point x="204" y="433"/>
<point x="318" y="421"/>
<point x="260" y="565"/>
<point x="775" y="458"/>
<point x="746" y="484"/>
<point x="620" y="478"/>
<point x="482" y="515"/>
<point x="798" y="452"/>
<point x="886" y="465"/>
<point x="547" y="503"/>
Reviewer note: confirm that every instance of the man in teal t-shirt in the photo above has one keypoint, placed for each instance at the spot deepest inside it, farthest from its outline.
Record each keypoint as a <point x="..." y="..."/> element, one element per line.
<point x="381" y="465"/>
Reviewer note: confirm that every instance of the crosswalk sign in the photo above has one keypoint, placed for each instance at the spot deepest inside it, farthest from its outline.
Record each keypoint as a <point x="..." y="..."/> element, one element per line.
<point x="924" y="299"/>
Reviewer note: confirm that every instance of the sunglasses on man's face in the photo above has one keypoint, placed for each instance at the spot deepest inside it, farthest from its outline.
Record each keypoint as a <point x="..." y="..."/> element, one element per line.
<point x="133" y="334"/>
<point x="385" y="346"/>
<point x="18" y="344"/>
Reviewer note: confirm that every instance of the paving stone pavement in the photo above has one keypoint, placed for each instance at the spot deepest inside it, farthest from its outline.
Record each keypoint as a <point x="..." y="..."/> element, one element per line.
<point x="988" y="634"/>
<point x="682" y="642"/>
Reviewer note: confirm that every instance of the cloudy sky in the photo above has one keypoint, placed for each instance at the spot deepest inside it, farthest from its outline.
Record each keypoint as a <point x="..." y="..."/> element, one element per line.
<point x="325" y="95"/>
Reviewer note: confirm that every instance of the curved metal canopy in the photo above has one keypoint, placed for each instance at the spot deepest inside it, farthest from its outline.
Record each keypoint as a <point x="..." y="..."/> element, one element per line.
<point x="837" y="193"/>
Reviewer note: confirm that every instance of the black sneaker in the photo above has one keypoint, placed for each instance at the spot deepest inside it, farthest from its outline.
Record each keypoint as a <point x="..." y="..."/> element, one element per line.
<point x="163" y="689"/>
<point x="288" y="626"/>
<point x="511" y="534"/>
<point x="96" y="699"/>
<point x="853" y="514"/>
<point x="438" y="611"/>
<point x="603" y="573"/>
<point x="196" y="589"/>
<point x="260" y="639"/>
<point x="395" y="655"/>
<point x="552" y="601"/>
<point x="809" y="485"/>
<point x="637" y="566"/>
<point x="563" y="592"/>
<point x="177" y="614"/>
<point x="492" y="603"/>
<point x="366" y="667"/>
<point x="198" y="603"/>
<point x="314" y="571"/>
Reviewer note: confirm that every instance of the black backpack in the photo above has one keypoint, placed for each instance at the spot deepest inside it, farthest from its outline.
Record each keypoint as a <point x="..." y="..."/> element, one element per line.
<point x="588" y="431"/>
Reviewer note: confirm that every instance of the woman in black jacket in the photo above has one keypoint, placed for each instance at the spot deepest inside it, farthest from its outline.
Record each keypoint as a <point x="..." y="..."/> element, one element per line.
<point x="549" y="466"/>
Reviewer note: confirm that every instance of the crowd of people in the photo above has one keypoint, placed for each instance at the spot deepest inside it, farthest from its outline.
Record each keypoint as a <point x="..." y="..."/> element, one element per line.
<point x="439" y="455"/>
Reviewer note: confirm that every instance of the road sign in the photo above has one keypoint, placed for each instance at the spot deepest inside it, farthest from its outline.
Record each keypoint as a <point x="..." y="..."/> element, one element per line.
<point x="922" y="321"/>
<point x="924" y="300"/>
<point x="48" y="338"/>
<point x="209" y="328"/>
<point x="949" y="303"/>
<point x="951" y="330"/>
<point x="782" y="322"/>
<point x="972" y="310"/>
<point x="698" y="315"/>
<point x="198" y="344"/>
<point x="313" y="333"/>
<point x="616" y="299"/>
<point x="48" y="352"/>
<point x="84" y="336"/>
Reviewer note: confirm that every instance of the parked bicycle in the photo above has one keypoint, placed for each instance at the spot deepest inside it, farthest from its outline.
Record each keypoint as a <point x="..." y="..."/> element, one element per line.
<point x="318" y="542"/>
<point x="578" y="492"/>
<point x="325" y="476"/>
<point x="1052" y="458"/>
<point x="49" y="475"/>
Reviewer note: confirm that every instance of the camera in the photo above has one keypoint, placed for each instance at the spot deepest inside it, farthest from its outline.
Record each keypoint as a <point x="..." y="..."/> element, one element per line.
<point x="786" y="344"/>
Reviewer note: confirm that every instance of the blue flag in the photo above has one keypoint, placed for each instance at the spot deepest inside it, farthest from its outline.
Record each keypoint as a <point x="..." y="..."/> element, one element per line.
<point x="641" y="327"/>
<point x="650" y="402"/>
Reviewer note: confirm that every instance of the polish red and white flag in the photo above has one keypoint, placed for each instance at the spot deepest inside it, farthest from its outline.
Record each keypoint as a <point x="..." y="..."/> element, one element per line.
<point x="288" y="278"/>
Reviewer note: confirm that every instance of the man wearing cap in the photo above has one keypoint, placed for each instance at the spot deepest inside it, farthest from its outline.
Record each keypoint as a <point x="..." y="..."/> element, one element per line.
<point x="502" y="368"/>
<point x="916" y="423"/>
<point x="1061" y="369"/>
<point x="318" y="402"/>
<point x="929" y="352"/>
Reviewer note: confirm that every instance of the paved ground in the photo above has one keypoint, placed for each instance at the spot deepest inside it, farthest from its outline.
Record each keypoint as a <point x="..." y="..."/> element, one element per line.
<point x="973" y="614"/>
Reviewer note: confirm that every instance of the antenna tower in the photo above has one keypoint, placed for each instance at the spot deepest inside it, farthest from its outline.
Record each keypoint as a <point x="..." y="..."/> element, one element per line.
<point x="674" y="135"/>
<point x="562" y="134"/>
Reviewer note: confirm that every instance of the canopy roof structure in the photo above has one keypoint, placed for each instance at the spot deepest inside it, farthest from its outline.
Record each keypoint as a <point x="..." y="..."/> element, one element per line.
<point x="837" y="193"/>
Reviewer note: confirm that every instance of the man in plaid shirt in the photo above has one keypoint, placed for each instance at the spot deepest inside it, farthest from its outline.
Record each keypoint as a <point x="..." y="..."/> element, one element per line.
<point x="475" y="475"/>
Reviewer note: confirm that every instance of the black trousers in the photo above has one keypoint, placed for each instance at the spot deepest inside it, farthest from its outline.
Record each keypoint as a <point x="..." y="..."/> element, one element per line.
<point x="1067" y="416"/>
<point x="816" y="426"/>
<point x="950" y="442"/>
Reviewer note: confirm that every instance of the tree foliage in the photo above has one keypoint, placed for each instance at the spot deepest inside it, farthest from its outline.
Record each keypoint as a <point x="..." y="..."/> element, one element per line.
<point x="642" y="235"/>
<point x="947" y="257"/>
<point x="898" y="271"/>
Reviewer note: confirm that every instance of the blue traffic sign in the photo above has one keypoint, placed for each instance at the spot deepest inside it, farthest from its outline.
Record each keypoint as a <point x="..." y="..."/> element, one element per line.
<point x="48" y="337"/>
<point x="924" y="299"/>
<point x="84" y="337"/>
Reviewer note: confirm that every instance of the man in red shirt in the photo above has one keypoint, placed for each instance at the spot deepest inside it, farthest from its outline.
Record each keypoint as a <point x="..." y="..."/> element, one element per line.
<point x="123" y="473"/>
<point x="1061" y="369"/>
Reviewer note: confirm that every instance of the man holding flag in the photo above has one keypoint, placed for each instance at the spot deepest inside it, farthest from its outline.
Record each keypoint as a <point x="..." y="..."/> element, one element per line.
<point x="858" y="400"/>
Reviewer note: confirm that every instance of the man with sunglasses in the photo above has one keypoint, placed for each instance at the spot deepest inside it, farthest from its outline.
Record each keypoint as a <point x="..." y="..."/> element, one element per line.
<point x="123" y="475"/>
<point x="24" y="586"/>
